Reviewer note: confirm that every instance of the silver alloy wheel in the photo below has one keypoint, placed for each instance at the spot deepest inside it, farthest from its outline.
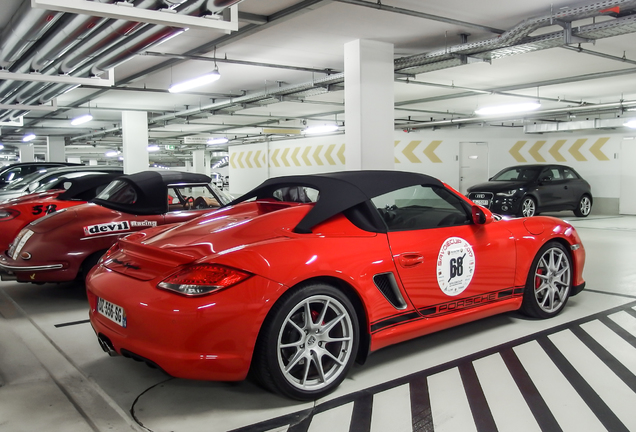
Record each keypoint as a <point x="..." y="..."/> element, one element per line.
<point x="552" y="280"/>
<point x="527" y="207"/>
<point x="585" y="206"/>
<point x="315" y="343"/>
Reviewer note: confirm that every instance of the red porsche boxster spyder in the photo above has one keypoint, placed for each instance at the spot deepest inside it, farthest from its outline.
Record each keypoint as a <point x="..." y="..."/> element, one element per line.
<point x="304" y="275"/>
<point x="67" y="191"/>
<point x="66" y="244"/>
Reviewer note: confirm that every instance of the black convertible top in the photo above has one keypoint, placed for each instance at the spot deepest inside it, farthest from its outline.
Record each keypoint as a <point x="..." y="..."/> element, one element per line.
<point x="152" y="190"/>
<point x="339" y="191"/>
<point x="84" y="187"/>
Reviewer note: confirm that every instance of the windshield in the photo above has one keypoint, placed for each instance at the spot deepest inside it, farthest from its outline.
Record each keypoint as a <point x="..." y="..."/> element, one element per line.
<point x="517" y="174"/>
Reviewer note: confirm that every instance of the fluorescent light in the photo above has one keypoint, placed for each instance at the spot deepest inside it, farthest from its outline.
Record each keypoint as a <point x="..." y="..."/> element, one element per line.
<point x="195" y="82"/>
<point x="153" y="148"/>
<point x="631" y="124"/>
<point x="507" y="109"/>
<point x="82" y="119"/>
<point x="28" y="137"/>
<point x="1" y="146"/>
<point x="321" y="129"/>
<point x="111" y="153"/>
<point x="220" y="140"/>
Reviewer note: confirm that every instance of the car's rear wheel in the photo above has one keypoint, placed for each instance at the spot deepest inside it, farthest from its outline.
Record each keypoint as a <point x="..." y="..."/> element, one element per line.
<point x="549" y="282"/>
<point x="308" y="343"/>
<point x="584" y="208"/>
<point x="528" y="207"/>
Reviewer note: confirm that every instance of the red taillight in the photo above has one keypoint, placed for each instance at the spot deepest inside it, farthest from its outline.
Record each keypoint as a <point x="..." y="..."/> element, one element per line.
<point x="200" y="279"/>
<point x="8" y="214"/>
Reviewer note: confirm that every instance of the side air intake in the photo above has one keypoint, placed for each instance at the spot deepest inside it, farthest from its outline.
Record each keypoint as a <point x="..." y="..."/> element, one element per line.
<point x="387" y="285"/>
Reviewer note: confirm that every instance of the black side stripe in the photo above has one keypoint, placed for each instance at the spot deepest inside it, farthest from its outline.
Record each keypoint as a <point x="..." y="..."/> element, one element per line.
<point x="390" y="322"/>
<point x="539" y="409"/>
<point x="587" y="393"/>
<point x="484" y="421"/>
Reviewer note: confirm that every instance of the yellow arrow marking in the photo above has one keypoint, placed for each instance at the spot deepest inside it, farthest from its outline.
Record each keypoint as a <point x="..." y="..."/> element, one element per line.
<point x="596" y="149"/>
<point x="396" y="160"/>
<point x="240" y="160"/>
<point x="316" y="155"/>
<point x="305" y="158"/>
<point x="514" y="151"/>
<point x="294" y="156"/>
<point x="574" y="150"/>
<point x="534" y="151"/>
<point x="341" y="154"/>
<point x="283" y="157"/>
<point x="554" y="151"/>
<point x="247" y="159"/>
<point x="408" y="151"/>
<point x="429" y="151"/>
<point x="328" y="154"/>
<point x="232" y="159"/>
<point x="257" y="156"/>
<point x="274" y="156"/>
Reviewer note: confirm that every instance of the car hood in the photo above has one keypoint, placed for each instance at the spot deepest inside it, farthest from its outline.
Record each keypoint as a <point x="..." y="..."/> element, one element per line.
<point x="497" y="186"/>
<point x="34" y="197"/>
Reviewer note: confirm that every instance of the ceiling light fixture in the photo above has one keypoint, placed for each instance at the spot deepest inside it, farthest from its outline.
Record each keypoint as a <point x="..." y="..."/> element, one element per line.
<point x="28" y="137"/>
<point x="220" y="140"/>
<point x="153" y="148"/>
<point x="509" y="109"/>
<point x="199" y="81"/>
<point x="81" y="119"/>
<point x="111" y="153"/>
<point x="631" y="124"/>
<point x="326" y="128"/>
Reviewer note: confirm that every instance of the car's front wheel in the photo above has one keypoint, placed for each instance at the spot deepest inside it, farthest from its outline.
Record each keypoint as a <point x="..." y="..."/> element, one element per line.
<point x="584" y="208"/>
<point x="308" y="343"/>
<point x="528" y="207"/>
<point x="549" y="282"/>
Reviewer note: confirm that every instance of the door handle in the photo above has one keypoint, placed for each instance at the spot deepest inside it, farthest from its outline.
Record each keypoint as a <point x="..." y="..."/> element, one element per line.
<point x="410" y="260"/>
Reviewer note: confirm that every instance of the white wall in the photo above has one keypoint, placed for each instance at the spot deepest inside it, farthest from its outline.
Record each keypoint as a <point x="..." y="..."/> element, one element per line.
<point x="594" y="154"/>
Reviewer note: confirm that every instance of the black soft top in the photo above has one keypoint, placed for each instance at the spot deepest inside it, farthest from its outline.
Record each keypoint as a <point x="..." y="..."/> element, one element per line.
<point x="84" y="187"/>
<point x="339" y="191"/>
<point x="152" y="190"/>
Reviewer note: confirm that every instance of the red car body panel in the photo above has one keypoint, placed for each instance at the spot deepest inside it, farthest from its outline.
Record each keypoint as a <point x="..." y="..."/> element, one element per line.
<point x="212" y="337"/>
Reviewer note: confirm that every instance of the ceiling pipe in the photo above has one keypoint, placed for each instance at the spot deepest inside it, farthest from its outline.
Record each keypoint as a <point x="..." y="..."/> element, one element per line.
<point x="509" y="117"/>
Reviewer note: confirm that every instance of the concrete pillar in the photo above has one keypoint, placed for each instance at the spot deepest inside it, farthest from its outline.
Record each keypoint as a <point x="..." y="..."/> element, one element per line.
<point x="56" y="149"/>
<point x="27" y="153"/>
<point x="198" y="161"/>
<point x="207" y="164"/>
<point x="369" y="105"/>
<point x="188" y="166"/>
<point x="135" y="140"/>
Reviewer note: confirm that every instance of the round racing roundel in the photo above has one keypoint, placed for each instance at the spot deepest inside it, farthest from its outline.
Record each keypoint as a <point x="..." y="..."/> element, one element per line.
<point x="455" y="266"/>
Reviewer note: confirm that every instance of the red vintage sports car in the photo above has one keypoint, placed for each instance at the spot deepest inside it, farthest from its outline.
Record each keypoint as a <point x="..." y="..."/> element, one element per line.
<point x="65" y="192"/>
<point x="65" y="245"/>
<point x="304" y="275"/>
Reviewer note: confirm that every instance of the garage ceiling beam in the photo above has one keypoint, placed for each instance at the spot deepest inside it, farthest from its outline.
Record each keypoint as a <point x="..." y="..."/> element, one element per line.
<point x="127" y="12"/>
<point x="60" y="79"/>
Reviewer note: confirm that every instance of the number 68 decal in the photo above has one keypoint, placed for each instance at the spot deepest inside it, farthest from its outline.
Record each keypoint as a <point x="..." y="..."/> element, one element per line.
<point x="455" y="266"/>
<point x="39" y="209"/>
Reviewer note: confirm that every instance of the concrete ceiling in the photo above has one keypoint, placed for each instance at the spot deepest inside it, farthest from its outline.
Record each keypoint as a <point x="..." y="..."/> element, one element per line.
<point x="463" y="62"/>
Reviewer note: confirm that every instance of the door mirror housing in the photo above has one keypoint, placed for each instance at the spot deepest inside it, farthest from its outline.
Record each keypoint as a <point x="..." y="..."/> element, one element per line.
<point x="481" y="215"/>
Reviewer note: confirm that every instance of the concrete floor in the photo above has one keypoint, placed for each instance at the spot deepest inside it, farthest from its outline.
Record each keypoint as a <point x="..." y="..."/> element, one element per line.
<point x="576" y="372"/>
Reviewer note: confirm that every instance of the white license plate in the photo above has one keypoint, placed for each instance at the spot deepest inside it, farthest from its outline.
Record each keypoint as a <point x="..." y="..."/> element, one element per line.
<point x="482" y="202"/>
<point x="111" y="311"/>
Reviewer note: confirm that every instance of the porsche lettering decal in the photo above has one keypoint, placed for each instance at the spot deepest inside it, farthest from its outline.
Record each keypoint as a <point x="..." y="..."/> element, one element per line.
<point x="455" y="266"/>
<point x="106" y="228"/>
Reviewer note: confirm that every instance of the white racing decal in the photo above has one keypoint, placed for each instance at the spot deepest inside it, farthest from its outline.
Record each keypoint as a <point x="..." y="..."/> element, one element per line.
<point x="145" y="223"/>
<point x="455" y="266"/>
<point x="106" y="228"/>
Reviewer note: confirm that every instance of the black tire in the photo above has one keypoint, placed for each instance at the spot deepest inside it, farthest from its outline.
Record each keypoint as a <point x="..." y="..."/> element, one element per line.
<point x="290" y="347"/>
<point x="528" y="207"/>
<point x="89" y="263"/>
<point x="584" y="207"/>
<point x="549" y="282"/>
